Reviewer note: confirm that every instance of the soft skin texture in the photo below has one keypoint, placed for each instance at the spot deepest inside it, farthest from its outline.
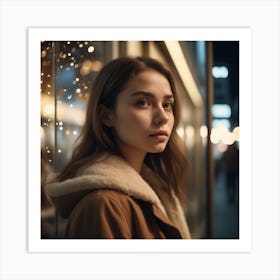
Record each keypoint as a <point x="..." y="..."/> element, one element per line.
<point x="109" y="199"/>
<point x="144" y="108"/>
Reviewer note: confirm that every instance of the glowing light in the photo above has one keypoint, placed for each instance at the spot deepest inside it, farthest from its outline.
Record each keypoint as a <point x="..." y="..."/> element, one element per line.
<point x="81" y="45"/>
<point x="214" y="136"/>
<point x="223" y="135"/>
<point x="235" y="132"/>
<point x="221" y="111"/>
<point x="180" y="132"/>
<point x="227" y="138"/>
<point x="78" y="90"/>
<point x="86" y="68"/>
<point x="74" y="132"/>
<point x="189" y="131"/>
<point x="217" y="134"/>
<point x="220" y="72"/>
<point x="91" y="49"/>
<point x="222" y="147"/>
<point x="221" y="122"/>
<point x="43" y="54"/>
<point x="203" y="131"/>
<point x="48" y="109"/>
<point x="59" y="151"/>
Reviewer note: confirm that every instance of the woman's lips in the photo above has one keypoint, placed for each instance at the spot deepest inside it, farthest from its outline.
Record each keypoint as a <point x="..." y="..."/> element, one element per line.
<point x="160" y="135"/>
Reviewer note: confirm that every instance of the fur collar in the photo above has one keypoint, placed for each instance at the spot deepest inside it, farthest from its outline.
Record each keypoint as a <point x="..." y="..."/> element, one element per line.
<point x="113" y="172"/>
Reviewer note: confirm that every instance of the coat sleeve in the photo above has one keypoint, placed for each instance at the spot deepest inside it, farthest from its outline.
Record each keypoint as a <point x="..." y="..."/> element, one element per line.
<point x="98" y="216"/>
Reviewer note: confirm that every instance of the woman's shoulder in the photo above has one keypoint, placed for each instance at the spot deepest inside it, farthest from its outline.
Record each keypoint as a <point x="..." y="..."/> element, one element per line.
<point x="106" y="197"/>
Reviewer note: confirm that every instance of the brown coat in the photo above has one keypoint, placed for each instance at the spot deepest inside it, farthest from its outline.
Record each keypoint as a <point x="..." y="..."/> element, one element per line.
<point x="110" y="199"/>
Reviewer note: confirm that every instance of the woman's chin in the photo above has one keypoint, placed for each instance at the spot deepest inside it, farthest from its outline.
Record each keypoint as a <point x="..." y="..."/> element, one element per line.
<point x="157" y="149"/>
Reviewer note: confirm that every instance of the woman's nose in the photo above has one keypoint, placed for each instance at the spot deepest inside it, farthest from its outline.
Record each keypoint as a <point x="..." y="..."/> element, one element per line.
<point x="160" y="116"/>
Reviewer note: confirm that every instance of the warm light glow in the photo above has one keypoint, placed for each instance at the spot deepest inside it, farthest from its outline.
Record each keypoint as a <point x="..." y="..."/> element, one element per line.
<point x="96" y="65"/>
<point x="183" y="68"/>
<point x="180" y="132"/>
<point x="189" y="131"/>
<point x="236" y="133"/>
<point x="86" y="68"/>
<point x="227" y="138"/>
<point x="43" y="54"/>
<point x="223" y="135"/>
<point x="203" y="131"/>
<point x="222" y="147"/>
<point x="214" y="136"/>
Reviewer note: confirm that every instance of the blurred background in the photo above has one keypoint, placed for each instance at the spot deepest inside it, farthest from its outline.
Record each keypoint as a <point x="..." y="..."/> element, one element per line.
<point x="207" y="77"/>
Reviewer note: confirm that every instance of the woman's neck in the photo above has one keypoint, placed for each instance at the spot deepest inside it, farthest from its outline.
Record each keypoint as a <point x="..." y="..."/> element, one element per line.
<point x="134" y="157"/>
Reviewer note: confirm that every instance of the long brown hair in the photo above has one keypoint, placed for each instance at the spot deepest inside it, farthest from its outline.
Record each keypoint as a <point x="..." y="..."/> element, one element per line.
<point x="96" y="138"/>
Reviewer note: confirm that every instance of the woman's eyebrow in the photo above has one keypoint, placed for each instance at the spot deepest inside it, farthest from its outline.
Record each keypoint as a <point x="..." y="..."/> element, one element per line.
<point x="149" y="94"/>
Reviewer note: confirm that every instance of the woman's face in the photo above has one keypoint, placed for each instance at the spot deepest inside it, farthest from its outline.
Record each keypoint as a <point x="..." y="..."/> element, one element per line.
<point x="143" y="117"/>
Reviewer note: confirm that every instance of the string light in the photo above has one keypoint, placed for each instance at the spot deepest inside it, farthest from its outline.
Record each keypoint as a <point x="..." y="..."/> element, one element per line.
<point x="91" y="49"/>
<point x="68" y="94"/>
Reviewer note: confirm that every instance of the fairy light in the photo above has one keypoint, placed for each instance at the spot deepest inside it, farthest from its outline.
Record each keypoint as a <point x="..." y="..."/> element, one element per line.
<point x="71" y="57"/>
<point x="91" y="49"/>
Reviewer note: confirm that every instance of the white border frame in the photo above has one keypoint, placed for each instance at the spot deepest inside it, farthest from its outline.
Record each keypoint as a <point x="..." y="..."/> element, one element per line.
<point x="243" y="35"/>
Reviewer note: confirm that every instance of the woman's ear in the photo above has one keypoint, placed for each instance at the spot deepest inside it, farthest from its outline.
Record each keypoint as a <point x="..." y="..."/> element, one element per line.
<point x="106" y="115"/>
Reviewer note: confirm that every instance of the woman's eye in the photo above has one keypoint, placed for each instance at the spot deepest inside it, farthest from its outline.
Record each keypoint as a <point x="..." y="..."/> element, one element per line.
<point x="143" y="103"/>
<point x="168" y="105"/>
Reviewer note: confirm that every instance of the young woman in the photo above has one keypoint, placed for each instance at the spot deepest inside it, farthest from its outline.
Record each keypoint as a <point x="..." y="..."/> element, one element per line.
<point x="127" y="172"/>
